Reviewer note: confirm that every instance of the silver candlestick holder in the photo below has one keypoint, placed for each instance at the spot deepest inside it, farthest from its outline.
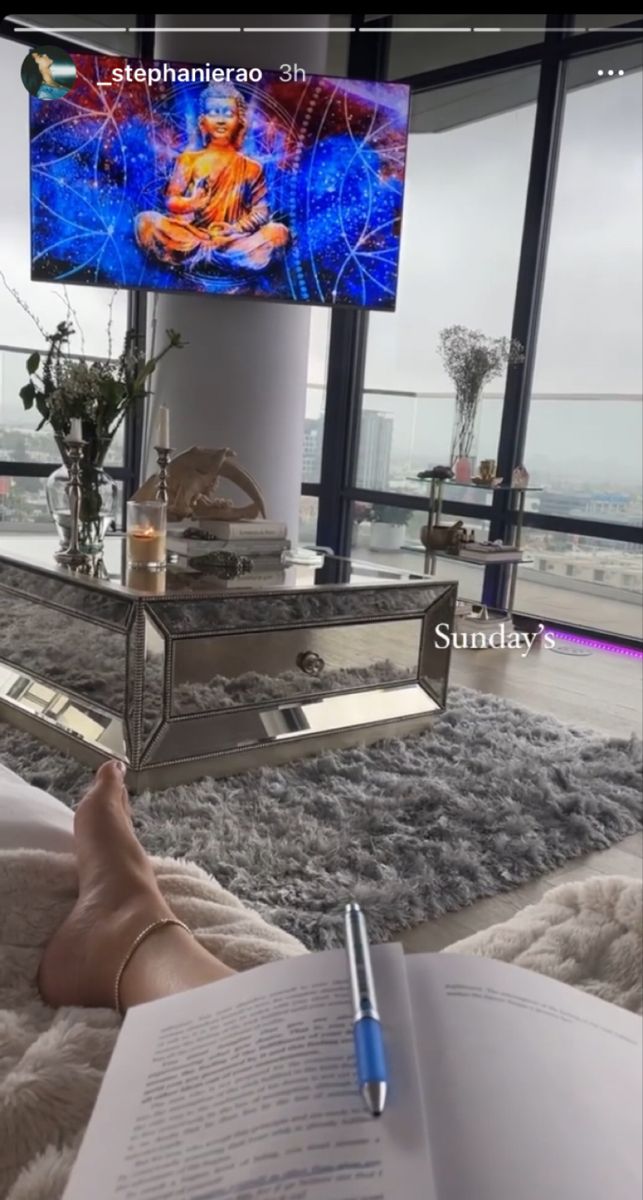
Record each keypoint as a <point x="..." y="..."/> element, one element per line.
<point x="163" y="458"/>
<point x="73" y="556"/>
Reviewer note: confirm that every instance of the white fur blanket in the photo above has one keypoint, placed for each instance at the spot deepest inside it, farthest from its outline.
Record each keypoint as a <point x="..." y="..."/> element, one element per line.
<point x="51" y="1063"/>
<point x="587" y="934"/>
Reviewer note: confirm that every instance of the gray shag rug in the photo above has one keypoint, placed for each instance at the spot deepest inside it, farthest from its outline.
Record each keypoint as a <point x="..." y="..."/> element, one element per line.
<point x="490" y="797"/>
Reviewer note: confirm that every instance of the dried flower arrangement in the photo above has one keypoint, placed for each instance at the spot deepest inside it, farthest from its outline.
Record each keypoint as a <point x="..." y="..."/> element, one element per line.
<point x="471" y="359"/>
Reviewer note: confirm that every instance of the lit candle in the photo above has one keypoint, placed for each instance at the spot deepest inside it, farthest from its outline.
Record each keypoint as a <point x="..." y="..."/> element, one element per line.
<point x="75" y="430"/>
<point x="163" y="431"/>
<point x="145" y="546"/>
<point x="146" y="525"/>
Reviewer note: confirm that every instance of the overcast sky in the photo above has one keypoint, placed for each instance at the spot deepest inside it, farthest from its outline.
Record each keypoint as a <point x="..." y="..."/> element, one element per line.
<point x="461" y="237"/>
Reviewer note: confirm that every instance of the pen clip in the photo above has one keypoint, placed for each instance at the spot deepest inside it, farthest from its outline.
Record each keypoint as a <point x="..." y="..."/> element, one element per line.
<point x="360" y="968"/>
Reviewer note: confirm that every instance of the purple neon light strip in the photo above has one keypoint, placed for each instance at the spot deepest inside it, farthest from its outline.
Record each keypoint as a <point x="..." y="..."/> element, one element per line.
<point x="610" y="647"/>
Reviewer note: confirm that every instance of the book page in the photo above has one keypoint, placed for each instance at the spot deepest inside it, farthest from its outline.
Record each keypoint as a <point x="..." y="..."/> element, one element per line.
<point x="246" y="1090"/>
<point x="532" y="1088"/>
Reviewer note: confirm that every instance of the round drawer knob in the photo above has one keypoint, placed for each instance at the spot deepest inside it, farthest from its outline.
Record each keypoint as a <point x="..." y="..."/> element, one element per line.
<point x="310" y="663"/>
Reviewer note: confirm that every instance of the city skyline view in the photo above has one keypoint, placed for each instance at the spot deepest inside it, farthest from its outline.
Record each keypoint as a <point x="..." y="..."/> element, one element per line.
<point x="583" y="446"/>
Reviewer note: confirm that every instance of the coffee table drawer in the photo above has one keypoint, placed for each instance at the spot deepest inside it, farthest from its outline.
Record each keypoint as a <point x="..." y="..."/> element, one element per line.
<point x="213" y="673"/>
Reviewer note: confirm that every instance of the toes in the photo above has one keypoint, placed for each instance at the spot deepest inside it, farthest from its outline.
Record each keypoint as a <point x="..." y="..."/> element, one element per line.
<point x="112" y="772"/>
<point x="105" y="800"/>
<point x="109" y="782"/>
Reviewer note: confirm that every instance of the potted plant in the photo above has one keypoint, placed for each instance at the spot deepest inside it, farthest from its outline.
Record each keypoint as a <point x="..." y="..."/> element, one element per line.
<point x="388" y="524"/>
<point x="98" y="393"/>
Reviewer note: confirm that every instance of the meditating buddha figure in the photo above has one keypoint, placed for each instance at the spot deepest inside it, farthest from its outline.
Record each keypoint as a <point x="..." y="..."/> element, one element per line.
<point x="216" y="197"/>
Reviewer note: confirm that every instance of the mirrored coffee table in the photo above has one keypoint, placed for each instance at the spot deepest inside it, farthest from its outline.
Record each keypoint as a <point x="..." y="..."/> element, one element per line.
<point x="182" y="675"/>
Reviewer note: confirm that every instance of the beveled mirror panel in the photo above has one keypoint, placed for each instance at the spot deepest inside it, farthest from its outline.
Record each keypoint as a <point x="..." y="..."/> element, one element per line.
<point x="153" y="678"/>
<point x="210" y="674"/>
<point x="72" y="594"/>
<point x="69" y="653"/>
<point x="283" y="610"/>
<point x="58" y="709"/>
<point x="436" y="655"/>
<point x="206" y="736"/>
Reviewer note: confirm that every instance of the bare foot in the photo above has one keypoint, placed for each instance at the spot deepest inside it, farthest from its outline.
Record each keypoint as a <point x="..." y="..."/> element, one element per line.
<point x="117" y="897"/>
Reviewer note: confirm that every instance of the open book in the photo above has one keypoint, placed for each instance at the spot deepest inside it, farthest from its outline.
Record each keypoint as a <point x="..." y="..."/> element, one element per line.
<point x="503" y="1085"/>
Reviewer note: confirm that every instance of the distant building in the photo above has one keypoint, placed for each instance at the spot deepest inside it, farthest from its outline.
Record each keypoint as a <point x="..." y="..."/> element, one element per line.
<point x="563" y="504"/>
<point x="579" y="566"/>
<point x="313" y="434"/>
<point x="375" y="448"/>
<point x="616" y="505"/>
<point x="620" y="507"/>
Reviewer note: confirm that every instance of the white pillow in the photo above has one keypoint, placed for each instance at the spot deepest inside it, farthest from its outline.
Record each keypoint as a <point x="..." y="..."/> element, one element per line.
<point x="31" y="819"/>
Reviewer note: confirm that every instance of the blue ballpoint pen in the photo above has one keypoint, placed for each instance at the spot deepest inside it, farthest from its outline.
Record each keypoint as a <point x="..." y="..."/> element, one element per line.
<point x="369" y="1044"/>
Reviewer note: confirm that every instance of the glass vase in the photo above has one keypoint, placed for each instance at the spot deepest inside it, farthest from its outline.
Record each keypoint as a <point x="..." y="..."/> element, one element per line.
<point x="98" y="497"/>
<point x="465" y="431"/>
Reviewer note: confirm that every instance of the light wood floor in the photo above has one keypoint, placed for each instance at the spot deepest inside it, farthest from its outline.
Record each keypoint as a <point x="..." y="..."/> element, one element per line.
<point x="602" y="692"/>
<point x="549" y="596"/>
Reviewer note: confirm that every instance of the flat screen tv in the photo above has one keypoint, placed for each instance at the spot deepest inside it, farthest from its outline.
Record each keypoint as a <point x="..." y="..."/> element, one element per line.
<point x="180" y="177"/>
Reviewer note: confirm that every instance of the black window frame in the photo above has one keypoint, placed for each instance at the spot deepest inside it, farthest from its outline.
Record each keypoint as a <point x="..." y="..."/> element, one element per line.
<point x="336" y="490"/>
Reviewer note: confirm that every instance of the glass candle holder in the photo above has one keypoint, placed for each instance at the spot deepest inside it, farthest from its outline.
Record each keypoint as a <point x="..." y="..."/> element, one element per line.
<point x="149" y="580"/>
<point x="146" y="534"/>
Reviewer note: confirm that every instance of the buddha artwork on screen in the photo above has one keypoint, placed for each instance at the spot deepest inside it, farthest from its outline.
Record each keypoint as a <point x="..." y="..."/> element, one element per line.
<point x="178" y="177"/>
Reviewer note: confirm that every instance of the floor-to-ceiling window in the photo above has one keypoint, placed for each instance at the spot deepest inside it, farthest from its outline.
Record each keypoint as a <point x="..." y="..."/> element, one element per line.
<point x="464" y="203"/>
<point x="585" y="431"/>
<point x="466" y="260"/>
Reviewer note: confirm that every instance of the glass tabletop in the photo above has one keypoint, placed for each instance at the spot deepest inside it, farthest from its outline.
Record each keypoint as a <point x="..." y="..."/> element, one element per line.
<point x="114" y="575"/>
<point x="480" y="487"/>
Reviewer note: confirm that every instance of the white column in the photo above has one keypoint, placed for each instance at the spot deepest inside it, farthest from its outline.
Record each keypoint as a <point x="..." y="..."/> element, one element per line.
<point x="241" y="382"/>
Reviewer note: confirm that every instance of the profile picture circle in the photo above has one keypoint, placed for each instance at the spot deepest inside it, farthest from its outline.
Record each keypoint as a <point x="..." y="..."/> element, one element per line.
<point x="48" y="73"/>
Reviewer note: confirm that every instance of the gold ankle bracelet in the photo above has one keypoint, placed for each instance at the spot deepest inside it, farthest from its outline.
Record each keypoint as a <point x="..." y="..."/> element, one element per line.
<point x="141" y="937"/>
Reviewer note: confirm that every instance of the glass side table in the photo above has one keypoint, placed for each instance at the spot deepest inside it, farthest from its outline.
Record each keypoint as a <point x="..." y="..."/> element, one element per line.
<point x="435" y="493"/>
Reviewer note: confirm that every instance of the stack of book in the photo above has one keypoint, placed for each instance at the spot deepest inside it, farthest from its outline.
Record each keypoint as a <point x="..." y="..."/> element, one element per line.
<point x="494" y="551"/>
<point x="264" y="542"/>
